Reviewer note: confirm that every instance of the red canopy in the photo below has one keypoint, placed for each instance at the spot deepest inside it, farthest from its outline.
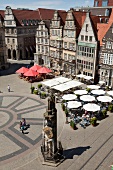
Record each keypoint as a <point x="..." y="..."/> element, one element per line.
<point x="22" y="70"/>
<point x="44" y="70"/>
<point x="35" y="67"/>
<point x="31" y="73"/>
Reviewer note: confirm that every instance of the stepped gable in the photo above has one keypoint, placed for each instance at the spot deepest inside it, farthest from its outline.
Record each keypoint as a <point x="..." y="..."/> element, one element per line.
<point x="62" y="15"/>
<point x="79" y="20"/>
<point x="103" y="28"/>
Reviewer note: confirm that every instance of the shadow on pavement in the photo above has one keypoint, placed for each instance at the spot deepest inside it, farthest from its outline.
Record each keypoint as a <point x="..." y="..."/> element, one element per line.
<point x="12" y="68"/>
<point x="69" y="153"/>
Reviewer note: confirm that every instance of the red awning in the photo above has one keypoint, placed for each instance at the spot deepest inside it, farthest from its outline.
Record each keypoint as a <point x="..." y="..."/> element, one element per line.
<point x="22" y="70"/>
<point x="31" y="73"/>
<point x="44" y="70"/>
<point x="35" y="67"/>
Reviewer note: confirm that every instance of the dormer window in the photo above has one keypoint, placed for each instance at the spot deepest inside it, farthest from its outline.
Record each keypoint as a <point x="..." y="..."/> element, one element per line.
<point x="108" y="45"/>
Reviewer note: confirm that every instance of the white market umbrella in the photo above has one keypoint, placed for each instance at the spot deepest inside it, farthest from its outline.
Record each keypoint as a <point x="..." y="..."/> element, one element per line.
<point x="93" y="86"/>
<point x="69" y="97"/>
<point x="87" y="98"/>
<point x="91" y="107"/>
<point x="104" y="99"/>
<point x="80" y="92"/>
<point x="73" y="104"/>
<point x="101" y="82"/>
<point x="98" y="92"/>
<point x="80" y="75"/>
<point x="110" y="93"/>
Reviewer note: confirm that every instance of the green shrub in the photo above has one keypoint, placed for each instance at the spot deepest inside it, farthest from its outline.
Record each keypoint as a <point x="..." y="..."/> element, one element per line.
<point x="72" y="124"/>
<point x="110" y="107"/>
<point x="39" y="86"/>
<point x="63" y="106"/>
<point x="35" y="92"/>
<point x="104" y="113"/>
<point x="43" y="95"/>
<point x="88" y="90"/>
<point x="93" y="121"/>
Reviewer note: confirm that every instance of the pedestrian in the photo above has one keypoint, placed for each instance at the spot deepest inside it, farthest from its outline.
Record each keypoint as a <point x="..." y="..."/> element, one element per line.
<point x="8" y="87"/>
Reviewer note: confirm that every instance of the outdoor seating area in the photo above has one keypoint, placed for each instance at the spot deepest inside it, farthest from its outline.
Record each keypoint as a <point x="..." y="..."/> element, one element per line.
<point x="35" y="73"/>
<point x="87" y="106"/>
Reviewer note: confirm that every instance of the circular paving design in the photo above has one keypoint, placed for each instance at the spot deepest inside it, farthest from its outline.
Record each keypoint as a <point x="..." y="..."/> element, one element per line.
<point x="12" y="109"/>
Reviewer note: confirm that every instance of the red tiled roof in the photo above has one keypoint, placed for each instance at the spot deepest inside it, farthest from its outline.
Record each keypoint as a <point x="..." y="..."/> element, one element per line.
<point x="2" y="13"/>
<point x="79" y="20"/>
<point x="46" y="14"/>
<point x="25" y="14"/>
<point x="103" y="28"/>
<point x="62" y="15"/>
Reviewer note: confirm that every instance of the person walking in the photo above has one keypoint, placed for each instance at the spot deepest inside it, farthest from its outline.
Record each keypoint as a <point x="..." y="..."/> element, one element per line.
<point x="8" y="87"/>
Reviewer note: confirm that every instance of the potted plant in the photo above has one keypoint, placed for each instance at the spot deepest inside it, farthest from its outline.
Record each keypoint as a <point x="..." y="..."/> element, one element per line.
<point x="88" y="90"/>
<point x="35" y="91"/>
<point x="63" y="106"/>
<point x="72" y="125"/>
<point x="43" y="95"/>
<point x="93" y="121"/>
<point x="104" y="113"/>
<point x="39" y="85"/>
<point x="110" y="107"/>
<point x="32" y="89"/>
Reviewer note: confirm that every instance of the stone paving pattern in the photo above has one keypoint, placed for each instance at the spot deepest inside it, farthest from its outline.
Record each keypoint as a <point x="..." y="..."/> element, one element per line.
<point x="84" y="149"/>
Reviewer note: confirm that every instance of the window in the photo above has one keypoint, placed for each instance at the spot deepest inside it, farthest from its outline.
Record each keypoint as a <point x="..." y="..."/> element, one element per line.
<point x="86" y="38"/>
<point x="82" y="37"/>
<point x="65" y="44"/>
<point x="13" y="40"/>
<point x="108" y="45"/>
<point x="8" y="40"/>
<point x="41" y="27"/>
<point x="65" y="56"/>
<point x="41" y="33"/>
<point x="90" y="38"/>
<point x="96" y="3"/>
<point x="38" y="48"/>
<point x="38" y="40"/>
<point x="86" y="27"/>
<point x="9" y="22"/>
<point x="104" y="3"/>
<point x="46" y="41"/>
<point x="70" y="23"/>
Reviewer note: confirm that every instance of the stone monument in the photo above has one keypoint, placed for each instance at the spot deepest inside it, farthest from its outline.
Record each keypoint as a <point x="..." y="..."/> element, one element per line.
<point x="52" y="154"/>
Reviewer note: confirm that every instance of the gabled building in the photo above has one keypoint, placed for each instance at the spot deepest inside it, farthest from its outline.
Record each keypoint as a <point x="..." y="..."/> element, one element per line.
<point x="3" y="56"/>
<point x="106" y="51"/>
<point x="42" y="56"/>
<point x="56" y="39"/>
<point x="103" y="3"/>
<point x="87" y="49"/>
<point x="69" y="44"/>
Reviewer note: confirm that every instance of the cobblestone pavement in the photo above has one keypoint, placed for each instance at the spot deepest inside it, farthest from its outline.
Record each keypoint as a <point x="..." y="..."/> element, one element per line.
<point x="84" y="149"/>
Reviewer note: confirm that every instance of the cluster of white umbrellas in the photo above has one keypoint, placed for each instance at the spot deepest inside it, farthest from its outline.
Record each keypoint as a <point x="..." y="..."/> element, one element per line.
<point x="87" y="98"/>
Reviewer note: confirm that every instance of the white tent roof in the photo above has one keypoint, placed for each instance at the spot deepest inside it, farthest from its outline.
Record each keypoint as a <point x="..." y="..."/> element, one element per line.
<point x="67" y="85"/>
<point x="80" y="75"/>
<point x="88" y="77"/>
<point x="50" y="83"/>
<point x="55" y="81"/>
<point x="61" y="79"/>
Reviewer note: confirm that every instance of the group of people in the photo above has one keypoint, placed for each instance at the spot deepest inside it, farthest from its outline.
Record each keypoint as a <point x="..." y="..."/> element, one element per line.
<point x="23" y="125"/>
